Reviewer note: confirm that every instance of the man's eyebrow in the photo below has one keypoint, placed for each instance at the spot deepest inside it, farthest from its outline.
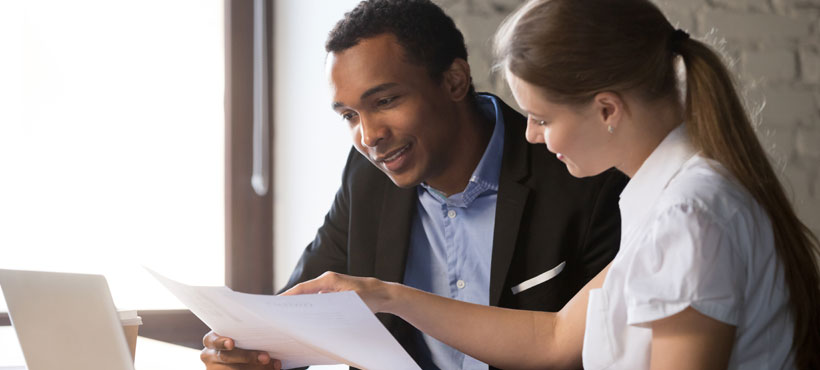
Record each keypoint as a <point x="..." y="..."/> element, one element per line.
<point x="377" y="89"/>
<point x="370" y="91"/>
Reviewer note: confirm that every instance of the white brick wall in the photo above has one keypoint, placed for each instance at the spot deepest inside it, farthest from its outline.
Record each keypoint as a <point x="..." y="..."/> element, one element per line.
<point x="775" y="47"/>
<point x="810" y="62"/>
<point x="775" y="65"/>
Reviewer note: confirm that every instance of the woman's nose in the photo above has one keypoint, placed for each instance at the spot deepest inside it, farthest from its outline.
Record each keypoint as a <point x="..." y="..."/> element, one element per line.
<point x="534" y="133"/>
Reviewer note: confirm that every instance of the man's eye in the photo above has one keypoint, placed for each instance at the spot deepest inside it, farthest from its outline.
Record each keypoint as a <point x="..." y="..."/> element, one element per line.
<point x="385" y="101"/>
<point x="347" y="116"/>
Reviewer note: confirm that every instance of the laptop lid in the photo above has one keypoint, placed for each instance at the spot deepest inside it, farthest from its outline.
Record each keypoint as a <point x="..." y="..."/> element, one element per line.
<point x="65" y="321"/>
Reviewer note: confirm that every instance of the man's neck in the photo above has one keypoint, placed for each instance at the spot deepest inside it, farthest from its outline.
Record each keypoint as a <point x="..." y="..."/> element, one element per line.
<point x="477" y="132"/>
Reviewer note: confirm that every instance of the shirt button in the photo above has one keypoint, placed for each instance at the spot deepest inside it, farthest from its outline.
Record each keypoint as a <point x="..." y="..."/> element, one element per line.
<point x="451" y="213"/>
<point x="461" y="284"/>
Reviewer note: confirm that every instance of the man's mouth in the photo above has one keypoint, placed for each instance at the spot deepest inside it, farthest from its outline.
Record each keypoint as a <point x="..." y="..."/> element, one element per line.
<point x="392" y="156"/>
<point x="397" y="160"/>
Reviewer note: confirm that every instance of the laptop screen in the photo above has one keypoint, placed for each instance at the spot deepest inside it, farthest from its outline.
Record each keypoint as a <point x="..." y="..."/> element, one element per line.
<point x="65" y="321"/>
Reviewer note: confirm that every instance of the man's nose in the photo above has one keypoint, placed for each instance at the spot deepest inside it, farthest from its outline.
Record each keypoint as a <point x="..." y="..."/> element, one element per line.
<point x="373" y="131"/>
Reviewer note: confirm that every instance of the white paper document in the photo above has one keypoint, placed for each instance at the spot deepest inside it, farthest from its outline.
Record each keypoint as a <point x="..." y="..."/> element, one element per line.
<point x="300" y="330"/>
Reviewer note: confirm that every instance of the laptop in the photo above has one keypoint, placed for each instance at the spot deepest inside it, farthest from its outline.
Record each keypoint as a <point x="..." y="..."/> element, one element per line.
<point x="65" y="321"/>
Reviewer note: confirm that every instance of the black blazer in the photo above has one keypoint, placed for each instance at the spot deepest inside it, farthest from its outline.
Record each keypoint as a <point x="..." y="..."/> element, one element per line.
<point x="544" y="216"/>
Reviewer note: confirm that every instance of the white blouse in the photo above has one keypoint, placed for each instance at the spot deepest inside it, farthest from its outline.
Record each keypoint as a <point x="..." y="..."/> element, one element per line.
<point x="691" y="237"/>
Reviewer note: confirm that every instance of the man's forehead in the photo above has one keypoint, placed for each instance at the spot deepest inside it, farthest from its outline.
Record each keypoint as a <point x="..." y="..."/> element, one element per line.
<point x="384" y="46"/>
<point x="373" y="65"/>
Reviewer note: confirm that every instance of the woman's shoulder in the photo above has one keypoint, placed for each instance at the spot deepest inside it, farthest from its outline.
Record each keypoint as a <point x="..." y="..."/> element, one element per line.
<point x="706" y="187"/>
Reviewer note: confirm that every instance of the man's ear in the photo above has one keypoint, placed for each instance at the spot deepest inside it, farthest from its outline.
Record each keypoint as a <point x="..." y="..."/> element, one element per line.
<point x="456" y="80"/>
<point x="610" y="108"/>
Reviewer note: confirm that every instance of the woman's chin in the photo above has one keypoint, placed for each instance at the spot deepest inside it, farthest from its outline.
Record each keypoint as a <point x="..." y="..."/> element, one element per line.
<point x="579" y="172"/>
<point x="574" y="170"/>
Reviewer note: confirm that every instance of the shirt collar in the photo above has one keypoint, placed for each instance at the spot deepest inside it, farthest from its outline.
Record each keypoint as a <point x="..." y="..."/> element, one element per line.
<point x="654" y="175"/>
<point x="485" y="176"/>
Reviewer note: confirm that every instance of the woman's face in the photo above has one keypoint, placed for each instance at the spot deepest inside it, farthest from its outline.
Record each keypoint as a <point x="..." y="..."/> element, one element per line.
<point x="578" y="135"/>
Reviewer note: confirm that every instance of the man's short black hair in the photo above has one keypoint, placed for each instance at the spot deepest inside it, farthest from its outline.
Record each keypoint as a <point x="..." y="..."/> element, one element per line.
<point x="429" y="37"/>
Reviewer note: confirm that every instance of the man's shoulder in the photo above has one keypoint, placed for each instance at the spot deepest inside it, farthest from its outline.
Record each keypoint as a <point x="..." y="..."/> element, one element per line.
<point x="358" y="167"/>
<point x="362" y="177"/>
<point x="507" y="111"/>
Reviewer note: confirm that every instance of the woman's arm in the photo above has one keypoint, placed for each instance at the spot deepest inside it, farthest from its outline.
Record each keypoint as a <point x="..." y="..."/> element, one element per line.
<point x="505" y="338"/>
<point x="691" y="340"/>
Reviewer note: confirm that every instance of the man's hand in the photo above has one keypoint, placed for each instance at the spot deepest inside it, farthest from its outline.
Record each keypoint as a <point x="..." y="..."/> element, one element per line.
<point x="220" y="353"/>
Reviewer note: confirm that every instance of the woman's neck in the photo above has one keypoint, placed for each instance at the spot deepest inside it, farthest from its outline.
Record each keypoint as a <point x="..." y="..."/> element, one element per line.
<point x="645" y="129"/>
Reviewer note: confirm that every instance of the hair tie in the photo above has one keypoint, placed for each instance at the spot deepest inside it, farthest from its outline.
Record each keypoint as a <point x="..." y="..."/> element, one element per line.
<point x="677" y="38"/>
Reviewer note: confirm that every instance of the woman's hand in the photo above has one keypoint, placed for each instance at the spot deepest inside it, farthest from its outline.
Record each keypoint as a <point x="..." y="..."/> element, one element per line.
<point x="501" y="337"/>
<point x="375" y="293"/>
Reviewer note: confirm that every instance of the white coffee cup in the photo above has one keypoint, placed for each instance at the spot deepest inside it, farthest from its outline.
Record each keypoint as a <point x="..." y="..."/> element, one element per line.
<point x="130" y="325"/>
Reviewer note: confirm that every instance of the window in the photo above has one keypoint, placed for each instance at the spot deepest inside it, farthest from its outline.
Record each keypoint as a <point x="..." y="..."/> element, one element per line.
<point x="112" y="142"/>
<point x="311" y="141"/>
<point x="125" y="140"/>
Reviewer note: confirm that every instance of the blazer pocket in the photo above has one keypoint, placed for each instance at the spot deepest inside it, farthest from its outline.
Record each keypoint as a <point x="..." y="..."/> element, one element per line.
<point x="540" y="279"/>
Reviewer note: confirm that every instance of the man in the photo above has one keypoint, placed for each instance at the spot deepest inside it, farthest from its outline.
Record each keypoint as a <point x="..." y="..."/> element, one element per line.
<point x="443" y="193"/>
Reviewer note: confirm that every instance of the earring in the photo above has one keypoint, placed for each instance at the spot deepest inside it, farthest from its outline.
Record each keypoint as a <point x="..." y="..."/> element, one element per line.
<point x="610" y="129"/>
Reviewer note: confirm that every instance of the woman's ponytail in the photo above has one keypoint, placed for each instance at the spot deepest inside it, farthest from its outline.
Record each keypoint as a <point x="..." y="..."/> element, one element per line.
<point x="719" y="126"/>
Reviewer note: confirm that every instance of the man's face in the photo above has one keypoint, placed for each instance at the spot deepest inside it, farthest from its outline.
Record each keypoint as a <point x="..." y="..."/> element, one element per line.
<point x="399" y="117"/>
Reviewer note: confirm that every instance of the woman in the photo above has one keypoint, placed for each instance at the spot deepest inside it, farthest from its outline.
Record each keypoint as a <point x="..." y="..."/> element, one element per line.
<point x="714" y="271"/>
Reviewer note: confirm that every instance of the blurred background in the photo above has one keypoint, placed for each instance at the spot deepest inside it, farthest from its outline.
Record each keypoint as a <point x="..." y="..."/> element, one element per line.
<point x="127" y="134"/>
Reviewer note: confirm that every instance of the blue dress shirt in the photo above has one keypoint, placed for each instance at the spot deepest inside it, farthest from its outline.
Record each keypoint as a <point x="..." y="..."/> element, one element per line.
<point x="451" y="241"/>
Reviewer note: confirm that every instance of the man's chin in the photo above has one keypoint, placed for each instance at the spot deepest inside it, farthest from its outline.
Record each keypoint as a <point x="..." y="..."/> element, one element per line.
<point x="407" y="178"/>
<point x="403" y="181"/>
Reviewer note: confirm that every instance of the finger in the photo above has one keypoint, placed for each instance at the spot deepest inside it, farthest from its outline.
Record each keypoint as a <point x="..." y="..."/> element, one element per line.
<point x="236" y="367"/>
<point x="235" y="356"/>
<point x="208" y="339"/>
<point x="296" y="290"/>
<point x="263" y="358"/>
<point x="208" y="357"/>
<point x="217" y="357"/>
<point x="215" y="341"/>
<point x="325" y="283"/>
<point x="308" y="287"/>
<point x="225" y="367"/>
<point x="240" y="356"/>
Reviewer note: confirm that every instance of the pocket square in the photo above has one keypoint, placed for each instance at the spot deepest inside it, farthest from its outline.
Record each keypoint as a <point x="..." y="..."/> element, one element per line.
<point x="539" y="279"/>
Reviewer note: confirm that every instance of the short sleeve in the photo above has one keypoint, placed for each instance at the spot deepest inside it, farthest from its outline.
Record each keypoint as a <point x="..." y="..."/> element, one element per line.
<point x="687" y="258"/>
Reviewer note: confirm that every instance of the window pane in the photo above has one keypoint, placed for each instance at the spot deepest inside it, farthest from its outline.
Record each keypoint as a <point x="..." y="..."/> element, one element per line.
<point x="304" y="188"/>
<point x="112" y="142"/>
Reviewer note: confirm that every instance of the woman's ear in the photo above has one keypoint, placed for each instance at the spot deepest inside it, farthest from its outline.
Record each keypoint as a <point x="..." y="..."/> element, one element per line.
<point x="457" y="79"/>
<point x="610" y="108"/>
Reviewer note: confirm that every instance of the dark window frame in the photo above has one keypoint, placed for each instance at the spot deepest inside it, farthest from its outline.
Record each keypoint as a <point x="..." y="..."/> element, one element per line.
<point x="248" y="215"/>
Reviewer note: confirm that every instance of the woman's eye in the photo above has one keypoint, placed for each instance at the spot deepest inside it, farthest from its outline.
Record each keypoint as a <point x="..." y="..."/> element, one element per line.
<point x="538" y="122"/>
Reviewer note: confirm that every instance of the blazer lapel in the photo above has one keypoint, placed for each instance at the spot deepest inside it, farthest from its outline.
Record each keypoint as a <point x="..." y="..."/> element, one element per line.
<point x="398" y="209"/>
<point x="512" y="197"/>
<point x="393" y="241"/>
